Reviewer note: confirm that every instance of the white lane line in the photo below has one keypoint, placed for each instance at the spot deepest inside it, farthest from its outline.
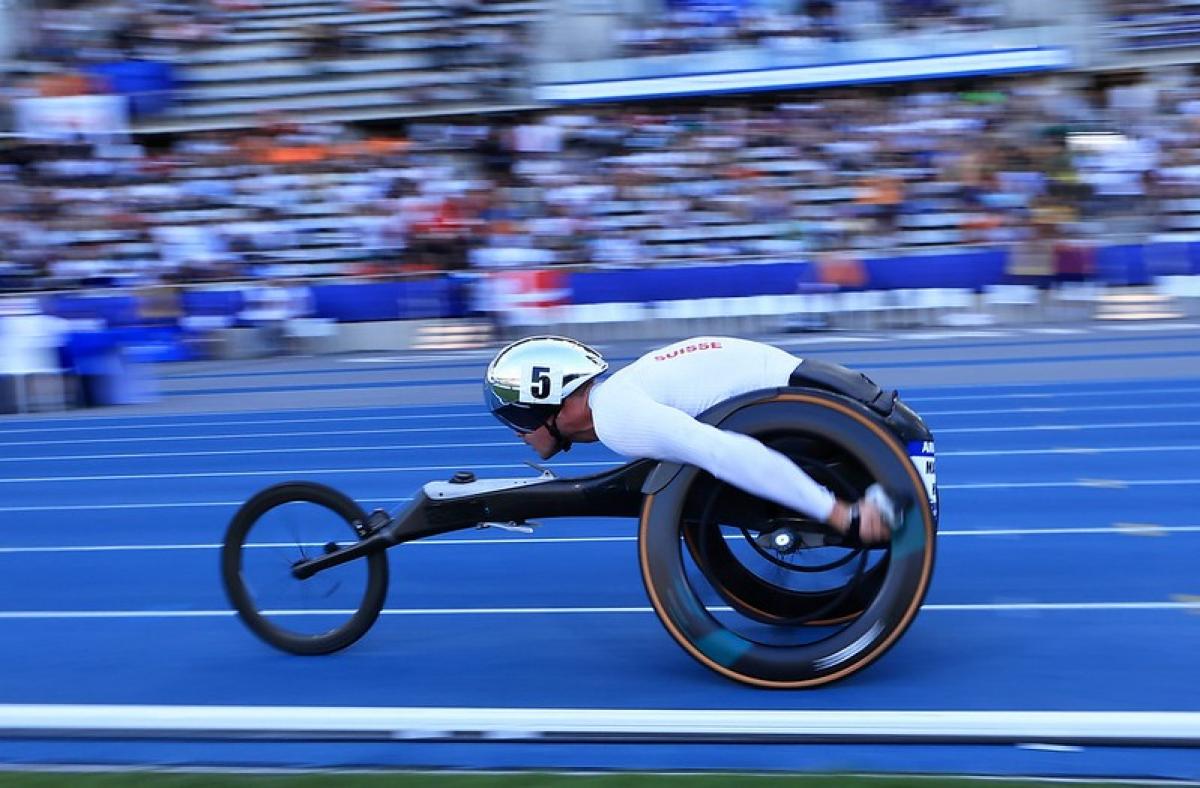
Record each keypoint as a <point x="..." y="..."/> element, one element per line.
<point x="1110" y="531"/>
<point x="101" y="507"/>
<point x="552" y="540"/>
<point x="537" y="611"/>
<point x="1065" y="606"/>
<point x="492" y="427"/>
<point x="89" y="507"/>
<point x="474" y="412"/>
<point x="214" y="416"/>
<point x="1121" y="425"/>
<point x="1084" y="483"/>
<point x="460" y="724"/>
<point x="291" y="450"/>
<point x="1068" y="450"/>
<point x="469" y="413"/>
<point x="286" y="545"/>
<point x="1011" y="411"/>
<point x="1062" y="409"/>
<point x="294" y="472"/>
<point x="1071" y="395"/>
<point x="514" y="444"/>
<point x="76" y="441"/>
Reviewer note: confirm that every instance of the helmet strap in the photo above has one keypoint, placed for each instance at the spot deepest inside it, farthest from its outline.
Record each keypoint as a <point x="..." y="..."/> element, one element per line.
<point x="560" y="443"/>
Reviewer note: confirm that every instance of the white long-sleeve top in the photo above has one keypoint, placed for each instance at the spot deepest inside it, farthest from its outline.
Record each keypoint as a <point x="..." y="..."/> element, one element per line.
<point x="647" y="410"/>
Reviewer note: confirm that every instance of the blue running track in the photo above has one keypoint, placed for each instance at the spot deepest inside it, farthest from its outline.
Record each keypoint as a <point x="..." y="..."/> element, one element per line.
<point x="1068" y="579"/>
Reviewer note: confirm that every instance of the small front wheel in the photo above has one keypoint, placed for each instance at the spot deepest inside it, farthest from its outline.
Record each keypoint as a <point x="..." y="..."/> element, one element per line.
<point x="280" y="527"/>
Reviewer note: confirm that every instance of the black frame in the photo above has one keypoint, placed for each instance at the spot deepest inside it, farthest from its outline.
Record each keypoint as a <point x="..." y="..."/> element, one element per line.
<point x="613" y="493"/>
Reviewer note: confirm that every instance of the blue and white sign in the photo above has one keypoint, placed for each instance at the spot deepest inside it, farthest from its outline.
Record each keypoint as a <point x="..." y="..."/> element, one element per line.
<point x="814" y="75"/>
<point x="922" y="455"/>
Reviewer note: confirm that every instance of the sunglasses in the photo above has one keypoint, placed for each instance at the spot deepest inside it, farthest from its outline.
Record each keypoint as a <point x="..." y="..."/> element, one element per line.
<point x="525" y="420"/>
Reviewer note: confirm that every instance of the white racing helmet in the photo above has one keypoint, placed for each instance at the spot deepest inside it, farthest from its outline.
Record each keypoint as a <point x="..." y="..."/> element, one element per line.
<point x="526" y="383"/>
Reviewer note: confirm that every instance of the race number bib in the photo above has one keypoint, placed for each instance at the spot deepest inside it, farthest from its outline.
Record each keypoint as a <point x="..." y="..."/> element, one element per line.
<point x="922" y="456"/>
<point x="539" y="386"/>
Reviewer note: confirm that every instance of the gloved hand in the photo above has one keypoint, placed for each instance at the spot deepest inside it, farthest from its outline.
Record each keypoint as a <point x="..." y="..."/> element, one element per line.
<point x="877" y="516"/>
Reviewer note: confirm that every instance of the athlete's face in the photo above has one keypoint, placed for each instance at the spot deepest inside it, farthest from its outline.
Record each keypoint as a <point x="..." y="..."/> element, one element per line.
<point x="574" y="423"/>
<point x="541" y="441"/>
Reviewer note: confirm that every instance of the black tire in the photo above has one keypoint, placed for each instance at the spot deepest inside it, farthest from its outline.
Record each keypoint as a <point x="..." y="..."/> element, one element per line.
<point x="893" y="604"/>
<point x="242" y="597"/>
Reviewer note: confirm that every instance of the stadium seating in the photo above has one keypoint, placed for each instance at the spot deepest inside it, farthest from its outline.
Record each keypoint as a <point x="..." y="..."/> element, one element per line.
<point x="327" y="59"/>
<point x="411" y="55"/>
<point x="1155" y="25"/>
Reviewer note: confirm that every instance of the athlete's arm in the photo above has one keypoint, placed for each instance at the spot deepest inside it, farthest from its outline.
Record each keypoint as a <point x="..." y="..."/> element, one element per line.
<point x="629" y="422"/>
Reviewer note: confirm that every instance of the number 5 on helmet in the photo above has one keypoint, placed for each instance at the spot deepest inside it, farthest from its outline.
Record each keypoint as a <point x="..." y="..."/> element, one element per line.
<point x="528" y="380"/>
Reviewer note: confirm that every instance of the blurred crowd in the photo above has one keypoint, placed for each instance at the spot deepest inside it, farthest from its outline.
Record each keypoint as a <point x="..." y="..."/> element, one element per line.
<point x="1149" y="9"/>
<point x="72" y="33"/>
<point x="798" y="25"/>
<point x="75" y="31"/>
<point x="67" y="39"/>
<point x="608" y="186"/>
<point x="71" y="46"/>
<point x="1143" y="25"/>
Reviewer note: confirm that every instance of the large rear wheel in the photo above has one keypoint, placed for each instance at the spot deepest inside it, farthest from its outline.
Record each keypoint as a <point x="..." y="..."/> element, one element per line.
<point x="820" y="612"/>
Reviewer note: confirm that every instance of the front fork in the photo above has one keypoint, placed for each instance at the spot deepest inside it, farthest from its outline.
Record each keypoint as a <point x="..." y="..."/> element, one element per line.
<point x="373" y="539"/>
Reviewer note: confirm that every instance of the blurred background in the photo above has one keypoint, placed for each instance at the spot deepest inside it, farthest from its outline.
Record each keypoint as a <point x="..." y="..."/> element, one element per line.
<point x="239" y="178"/>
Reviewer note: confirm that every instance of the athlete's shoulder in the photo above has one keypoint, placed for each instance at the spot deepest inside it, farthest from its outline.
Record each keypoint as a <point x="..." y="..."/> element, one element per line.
<point x="606" y="393"/>
<point x="610" y="401"/>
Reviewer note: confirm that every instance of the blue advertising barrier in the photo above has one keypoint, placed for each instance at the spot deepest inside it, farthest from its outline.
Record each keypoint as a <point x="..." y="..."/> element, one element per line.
<point x="106" y="362"/>
<point x="1193" y="258"/>
<point x="153" y="344"/>
<point x="1122" y="265"/>
<point x="224" y="302"/>
<point x="1138" y="264"/>
<point x="1172" y="258"/>
<point x="691" y="281"/>
<point x="353" y="303"/>
<point x="972" y="269"/>
<point x="118" y="309"/>
<point x="444" y="296"/>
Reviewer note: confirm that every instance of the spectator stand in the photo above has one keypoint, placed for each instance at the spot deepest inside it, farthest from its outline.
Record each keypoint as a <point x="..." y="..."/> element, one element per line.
<point x="692" y="26"/>
<point x="892" y="177"/>
<point x="331" y="60"/>
<point x="563" y="188"/>
<point x="328" y="59"/>
<point x="1150" y="26"/>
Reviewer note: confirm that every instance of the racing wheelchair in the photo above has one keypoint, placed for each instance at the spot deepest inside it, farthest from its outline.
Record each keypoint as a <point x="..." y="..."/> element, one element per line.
<point x="757" y="593"/>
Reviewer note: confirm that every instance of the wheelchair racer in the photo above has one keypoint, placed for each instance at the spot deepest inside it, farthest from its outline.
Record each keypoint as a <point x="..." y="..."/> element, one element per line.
<point x="548" y="389"/>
